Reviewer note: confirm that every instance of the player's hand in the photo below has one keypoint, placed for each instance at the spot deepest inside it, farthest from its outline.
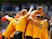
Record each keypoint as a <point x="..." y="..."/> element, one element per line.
<point x="30" y="10"/>
<point x="4" y="18"/>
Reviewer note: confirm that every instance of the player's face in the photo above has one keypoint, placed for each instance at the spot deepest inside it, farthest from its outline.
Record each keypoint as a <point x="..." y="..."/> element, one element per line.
<point x="24" y="13"/>
<point x="40" y="10"/>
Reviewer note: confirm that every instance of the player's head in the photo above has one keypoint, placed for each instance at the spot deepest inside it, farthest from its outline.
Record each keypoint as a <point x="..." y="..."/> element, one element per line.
<point x="18" y="13"/>
<point x="40" y="9"/>
<point x="23" y="12"/>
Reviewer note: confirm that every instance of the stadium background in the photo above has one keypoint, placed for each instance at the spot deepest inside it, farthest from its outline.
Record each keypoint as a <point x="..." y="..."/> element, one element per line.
<point x="10" y="7"/>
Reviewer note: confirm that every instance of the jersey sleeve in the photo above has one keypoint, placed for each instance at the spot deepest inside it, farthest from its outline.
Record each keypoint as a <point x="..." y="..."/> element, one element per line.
<point x="9" y="18"/>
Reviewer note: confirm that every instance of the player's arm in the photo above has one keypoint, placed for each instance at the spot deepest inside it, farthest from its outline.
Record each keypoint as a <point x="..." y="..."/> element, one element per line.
<point x="16" y="17"/>
<point x="32" y="15"/>
<point x="7" y="18"/>
<point x="29" y="12"/>
<point x="33" y="20"/>
<point x="46" y="22"/>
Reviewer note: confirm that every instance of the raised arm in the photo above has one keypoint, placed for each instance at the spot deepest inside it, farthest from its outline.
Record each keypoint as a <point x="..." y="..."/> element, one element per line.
<point x="29" y="12"/>
<point x="7" y="18"/>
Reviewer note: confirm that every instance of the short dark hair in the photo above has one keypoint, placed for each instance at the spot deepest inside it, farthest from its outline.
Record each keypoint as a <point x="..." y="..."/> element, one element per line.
<point x="40" y="17"/>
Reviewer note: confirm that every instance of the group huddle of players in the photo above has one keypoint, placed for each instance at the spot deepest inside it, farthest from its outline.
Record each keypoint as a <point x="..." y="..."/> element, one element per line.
<point x="26" y="25"/>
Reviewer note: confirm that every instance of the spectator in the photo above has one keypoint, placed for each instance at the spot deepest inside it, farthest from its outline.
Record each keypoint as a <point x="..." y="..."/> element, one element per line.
<point x="17" y="8"/>
<point x="46" y="8"/>
<point x="23" y="6"/>
<point x="51" y="27"/>
<point x="31" y="5"/>
<point x="36" y="5"/>
<point x="8" y="7"/>
<point x="50" y="8"/>
<point x="13" y="7"/>
<point x="3" y="7"/>
<point x="50" y="22"/>
<point x="4" y="24"/>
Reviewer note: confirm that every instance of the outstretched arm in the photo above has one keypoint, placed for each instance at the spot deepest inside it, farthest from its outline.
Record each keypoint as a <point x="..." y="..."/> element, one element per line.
<point x="7" y="18"/>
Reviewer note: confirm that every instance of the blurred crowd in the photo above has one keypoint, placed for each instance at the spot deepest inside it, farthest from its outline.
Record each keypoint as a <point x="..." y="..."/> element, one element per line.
<point x="17" y="7"/>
